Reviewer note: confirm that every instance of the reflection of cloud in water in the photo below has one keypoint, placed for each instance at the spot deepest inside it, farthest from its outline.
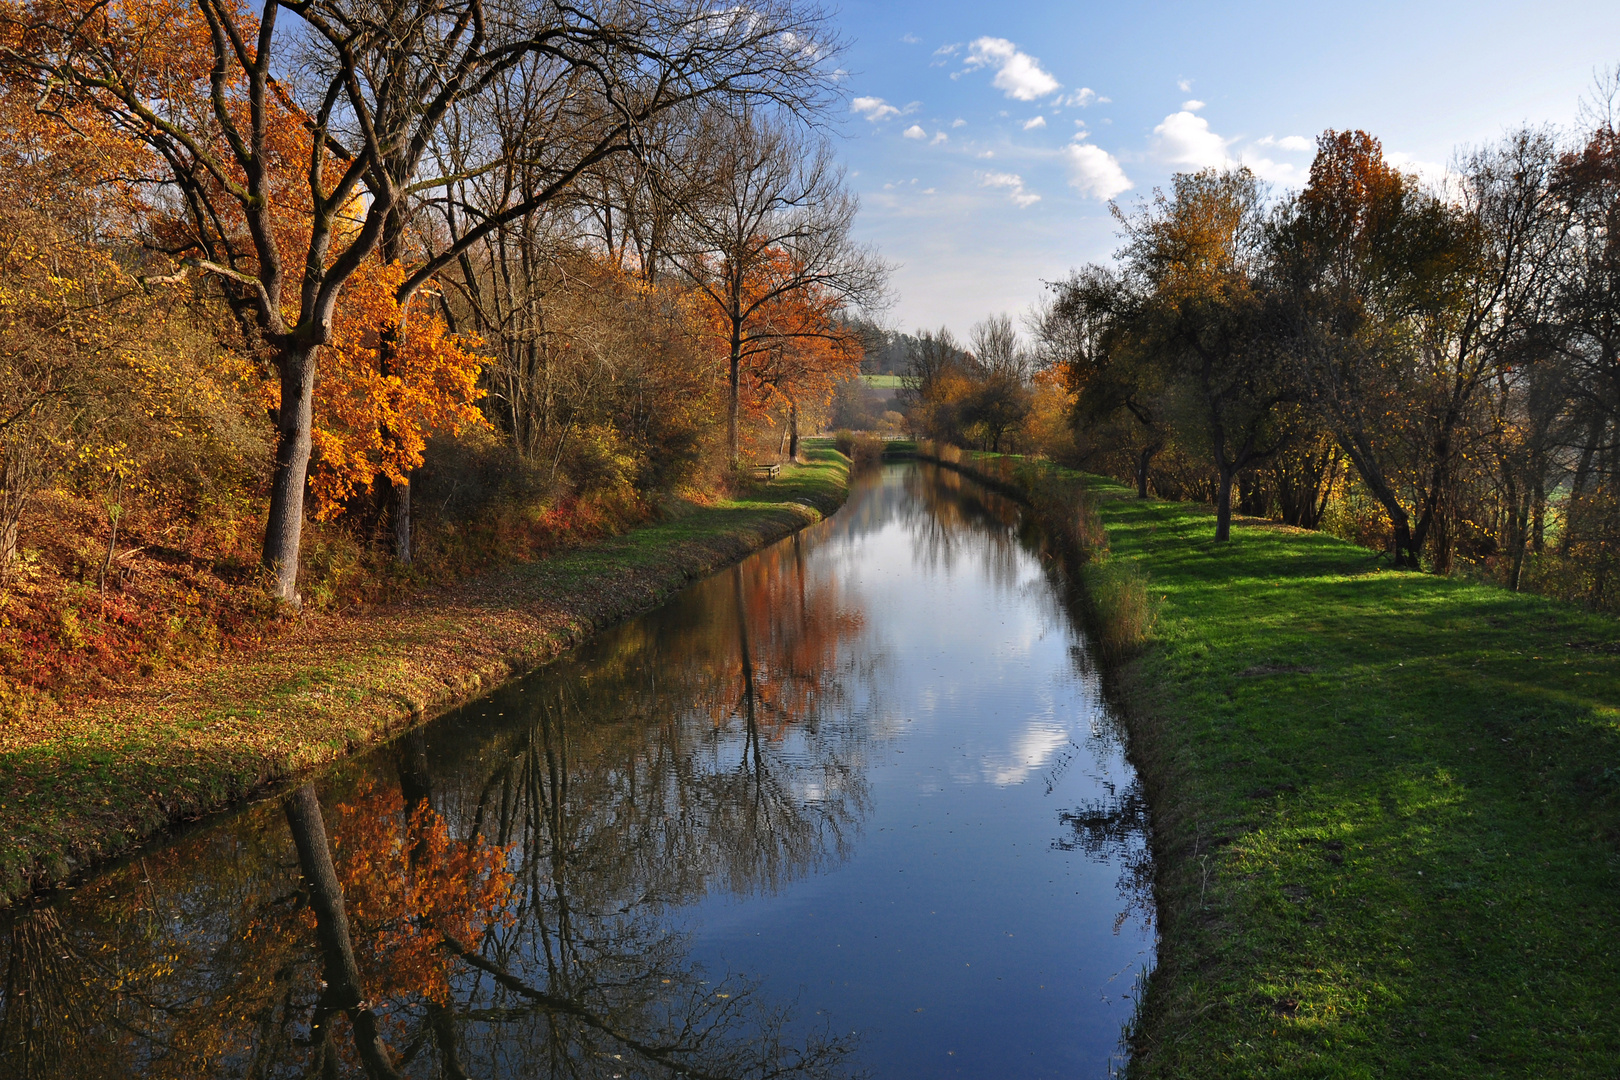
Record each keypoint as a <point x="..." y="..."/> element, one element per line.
<point x="1030" y="752"/>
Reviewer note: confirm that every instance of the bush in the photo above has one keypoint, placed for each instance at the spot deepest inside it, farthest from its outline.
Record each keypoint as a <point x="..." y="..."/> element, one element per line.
<point x="867" y="450"/>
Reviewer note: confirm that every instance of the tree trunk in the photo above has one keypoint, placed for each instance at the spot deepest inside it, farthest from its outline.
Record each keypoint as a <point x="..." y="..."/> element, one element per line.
<point x="1405" y="550"/>
<point x="399" y="510"/>
<point x="1144" y="460"/>
<point x="734" y="404"/>
<point x="332" y="930"/>
<point x="793" y="430"/>
<point x="1223" y="506"/>
<point x="1520" y="539"/>
<point x="294" y="421"/>
<point x="1538" y="512"/>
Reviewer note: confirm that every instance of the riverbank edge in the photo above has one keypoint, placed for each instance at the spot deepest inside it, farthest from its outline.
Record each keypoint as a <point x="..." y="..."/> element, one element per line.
<point x="1357" y="894"/>
<point x="100" y="780"/>
<point x="1141" y="706"/>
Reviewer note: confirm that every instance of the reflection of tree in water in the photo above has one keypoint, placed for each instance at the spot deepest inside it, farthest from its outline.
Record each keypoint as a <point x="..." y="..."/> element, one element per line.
<point x="488" y="907"/>
<point x="1116" y="828"/>
<point x="953" y="516"/>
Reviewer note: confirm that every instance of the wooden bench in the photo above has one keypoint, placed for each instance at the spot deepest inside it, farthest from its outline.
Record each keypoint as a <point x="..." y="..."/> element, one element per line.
<point x="769" y="472"/>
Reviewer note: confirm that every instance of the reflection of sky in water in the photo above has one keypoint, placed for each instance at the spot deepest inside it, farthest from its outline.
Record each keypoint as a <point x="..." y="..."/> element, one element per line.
<point x="957" y="938"/>
<point x="903" y="824"/>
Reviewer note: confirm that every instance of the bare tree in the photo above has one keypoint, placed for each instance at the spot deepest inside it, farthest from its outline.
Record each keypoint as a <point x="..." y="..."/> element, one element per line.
<point x="774" y="220"/>
<point x="1000" y="398"/>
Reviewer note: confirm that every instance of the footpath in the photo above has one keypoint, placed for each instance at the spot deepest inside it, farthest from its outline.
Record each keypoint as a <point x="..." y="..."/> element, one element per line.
<point x="1385" y="806"/>
<point x="93" y="781"/>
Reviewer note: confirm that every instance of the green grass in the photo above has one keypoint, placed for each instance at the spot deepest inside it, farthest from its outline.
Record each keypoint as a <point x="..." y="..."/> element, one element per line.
<point x="1404" y="790"/>
<point x="884" y="382"/>
<point x="1386" y="810"/>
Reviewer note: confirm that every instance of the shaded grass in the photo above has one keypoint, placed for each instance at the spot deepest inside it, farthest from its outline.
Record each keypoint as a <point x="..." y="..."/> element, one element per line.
<point x="1386" y="811"/>
<point x="88" y="782"/>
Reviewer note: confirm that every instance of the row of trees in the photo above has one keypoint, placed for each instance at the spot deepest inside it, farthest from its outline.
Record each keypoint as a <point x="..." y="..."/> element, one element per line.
<point x="1443" y="362"/>
<point x="991" y="391"/>
<point x="600" y="230"/>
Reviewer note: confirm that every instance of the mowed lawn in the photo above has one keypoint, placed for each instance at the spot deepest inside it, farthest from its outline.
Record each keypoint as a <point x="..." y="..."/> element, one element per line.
<point x="1387" y="809"/>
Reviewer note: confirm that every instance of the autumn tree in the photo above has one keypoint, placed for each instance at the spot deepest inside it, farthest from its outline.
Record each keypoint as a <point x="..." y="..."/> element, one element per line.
<point x="772" y="219"/>
<point x="800" y="349"/>
<point x="1400" y="306"/>
<point x="288" y="189"/>
<point x="1197" y="257"/>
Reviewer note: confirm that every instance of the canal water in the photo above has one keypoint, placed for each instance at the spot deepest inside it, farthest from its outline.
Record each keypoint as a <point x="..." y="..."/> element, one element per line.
<point x="854" y="807"/>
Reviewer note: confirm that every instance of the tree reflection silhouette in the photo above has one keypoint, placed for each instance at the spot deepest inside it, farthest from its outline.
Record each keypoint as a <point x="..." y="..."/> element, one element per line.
<point x="492" y="906"/>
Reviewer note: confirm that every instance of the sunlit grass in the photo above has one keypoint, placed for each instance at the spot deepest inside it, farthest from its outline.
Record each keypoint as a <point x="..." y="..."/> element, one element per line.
<point x="1387" y="810"/>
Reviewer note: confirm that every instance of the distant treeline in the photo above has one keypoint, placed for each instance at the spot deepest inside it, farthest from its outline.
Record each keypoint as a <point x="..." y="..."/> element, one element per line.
<point x="1431" y="370"/>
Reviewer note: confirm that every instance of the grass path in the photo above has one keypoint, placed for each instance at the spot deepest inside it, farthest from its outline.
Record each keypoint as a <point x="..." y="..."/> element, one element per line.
<point x="1388" y="812"/>
<point x="88" y="783"/>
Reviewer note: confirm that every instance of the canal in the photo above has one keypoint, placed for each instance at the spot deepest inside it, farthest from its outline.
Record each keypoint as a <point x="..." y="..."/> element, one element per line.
<point x="853" y="807"/>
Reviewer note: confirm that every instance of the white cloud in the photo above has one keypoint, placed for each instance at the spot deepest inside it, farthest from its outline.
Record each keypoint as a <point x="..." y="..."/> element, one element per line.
<point x="1018" y="74"/>
<point x="1094" y="171"/>
<point x="1284" y="173"/>
<point x="1298" y="144"/>
<point x="958" y="122"/>
<point x="910" y="39"/>
<point x="915" y="131"/>
<point x="1184" y="139"/>
<point x="1014" y="185"/>
<point x="1081" y="97"/>
<point x="985" y="154"/>
<point x="939" y="137"/>
<point x="1430" y="172"/>
<point x="928" y="191"/>
<point x="1038" y="122"/>
<point x="874" y="109"/>
<point x="1193" y="105"/>
<point x="1036" y="745"/>
<point x="1184" y="85"/>
<point x="943" y="54"/>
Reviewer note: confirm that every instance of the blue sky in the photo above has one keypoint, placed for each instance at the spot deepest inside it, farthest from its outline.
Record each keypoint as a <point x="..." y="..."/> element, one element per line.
<point x="984" y="139"/>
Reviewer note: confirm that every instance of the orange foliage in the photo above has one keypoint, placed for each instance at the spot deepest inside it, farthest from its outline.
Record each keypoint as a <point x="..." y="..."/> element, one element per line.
<point x="408" y="886"/>
<point x="794" y="349"/>
<point x="370" y="422"/>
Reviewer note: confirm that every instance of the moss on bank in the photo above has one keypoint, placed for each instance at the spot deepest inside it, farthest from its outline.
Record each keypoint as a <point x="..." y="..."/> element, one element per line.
<point x="1386" y="810"/>
<point x="91" y="782"/>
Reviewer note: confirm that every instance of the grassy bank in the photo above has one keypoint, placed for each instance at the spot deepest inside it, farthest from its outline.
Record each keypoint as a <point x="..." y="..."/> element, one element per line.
<point x="1386" y="807"/>
<point x="86" y="783"/>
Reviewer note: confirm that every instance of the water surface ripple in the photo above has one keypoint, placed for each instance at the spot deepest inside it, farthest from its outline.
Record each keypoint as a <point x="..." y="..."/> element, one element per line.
<point x="853" y="807"/>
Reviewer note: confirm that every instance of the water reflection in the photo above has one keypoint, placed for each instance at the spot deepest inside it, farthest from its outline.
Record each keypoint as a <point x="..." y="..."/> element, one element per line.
<point x="550" y="882"/>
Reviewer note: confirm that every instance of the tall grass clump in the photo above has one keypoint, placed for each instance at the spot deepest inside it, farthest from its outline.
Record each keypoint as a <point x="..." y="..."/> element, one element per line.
<point x="1122" y="607"/>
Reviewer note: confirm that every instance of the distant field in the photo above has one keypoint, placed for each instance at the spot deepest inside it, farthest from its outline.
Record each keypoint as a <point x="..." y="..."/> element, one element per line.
<point x="884" y="382"/>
